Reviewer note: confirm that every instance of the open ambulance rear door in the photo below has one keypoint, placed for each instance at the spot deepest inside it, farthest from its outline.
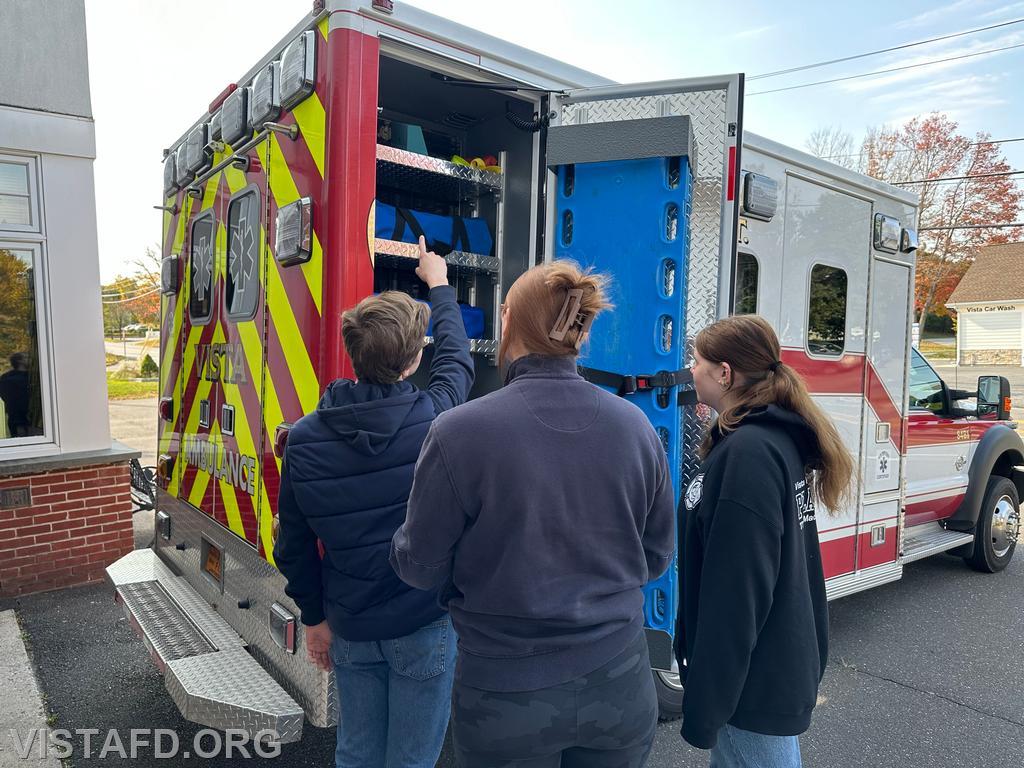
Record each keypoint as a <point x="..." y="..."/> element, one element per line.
<point x="641" y="182"/>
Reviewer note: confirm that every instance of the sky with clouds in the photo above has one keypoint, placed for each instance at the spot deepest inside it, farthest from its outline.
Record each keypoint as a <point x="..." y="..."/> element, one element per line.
<point x="154" y="67"/>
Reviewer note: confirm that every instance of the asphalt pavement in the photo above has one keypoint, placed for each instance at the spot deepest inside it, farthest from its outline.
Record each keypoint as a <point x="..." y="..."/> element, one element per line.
<point x="923" y="672"/>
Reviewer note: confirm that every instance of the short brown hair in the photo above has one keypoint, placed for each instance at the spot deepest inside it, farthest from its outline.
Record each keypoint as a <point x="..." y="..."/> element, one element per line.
<point x="383" y="334"/>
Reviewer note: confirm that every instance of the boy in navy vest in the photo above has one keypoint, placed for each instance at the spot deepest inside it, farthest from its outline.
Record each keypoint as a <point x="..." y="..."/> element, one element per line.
<point x="346" y="479"/>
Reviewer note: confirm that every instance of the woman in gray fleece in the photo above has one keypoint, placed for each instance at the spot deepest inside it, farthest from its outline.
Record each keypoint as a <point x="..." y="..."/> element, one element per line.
<point x="540" y="510"/>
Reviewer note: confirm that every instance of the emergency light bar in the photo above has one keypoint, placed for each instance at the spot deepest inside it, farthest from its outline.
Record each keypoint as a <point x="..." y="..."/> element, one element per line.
<point x="293" y="241"/>
<point x="266" y="95"/>
<point x="215" y="127"/>
<point x="195" y="149"/>
<point x="298" y="70"/>
<point x="182" y="174"/>
<point x="887" y="233"/>
<point x="170" y="178"/>
<point x="234" y="116"/>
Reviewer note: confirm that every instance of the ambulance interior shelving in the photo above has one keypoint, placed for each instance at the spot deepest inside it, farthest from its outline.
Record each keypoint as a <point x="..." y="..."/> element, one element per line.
<point x="425" y="119"/>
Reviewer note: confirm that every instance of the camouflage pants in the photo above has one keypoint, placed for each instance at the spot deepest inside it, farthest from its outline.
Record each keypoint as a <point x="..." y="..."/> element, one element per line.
<point x="605" y="719"/>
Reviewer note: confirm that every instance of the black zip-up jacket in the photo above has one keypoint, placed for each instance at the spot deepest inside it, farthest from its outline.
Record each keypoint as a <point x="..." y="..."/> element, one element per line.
<point x="752" y="630"/>
<point x="346" y="478"/>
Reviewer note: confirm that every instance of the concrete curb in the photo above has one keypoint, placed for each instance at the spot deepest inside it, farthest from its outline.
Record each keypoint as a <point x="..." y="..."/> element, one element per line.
<point x="22" y="716"/>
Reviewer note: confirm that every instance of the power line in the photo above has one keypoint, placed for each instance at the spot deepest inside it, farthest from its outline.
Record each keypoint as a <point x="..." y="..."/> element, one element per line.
<point x="881" y="50"/>
<point x="903" y="151"/>
<point x="956" y="178"/>
<point x="973" y="226"/>
<point x="888" y="71"/>
<point x="126" y="294"/>
<point x="132" y="298"/>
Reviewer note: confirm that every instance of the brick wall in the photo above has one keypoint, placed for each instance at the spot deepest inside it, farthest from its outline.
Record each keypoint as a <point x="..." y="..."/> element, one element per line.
<point x="79" y="521"/>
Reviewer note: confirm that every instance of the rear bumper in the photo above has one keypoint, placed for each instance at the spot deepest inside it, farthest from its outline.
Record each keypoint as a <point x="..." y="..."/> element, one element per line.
<point x="208" y="672"/>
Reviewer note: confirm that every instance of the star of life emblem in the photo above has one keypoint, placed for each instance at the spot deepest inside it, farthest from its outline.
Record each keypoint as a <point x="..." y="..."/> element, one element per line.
<point x="242" y="259"/>
<point x="202" y="260"/>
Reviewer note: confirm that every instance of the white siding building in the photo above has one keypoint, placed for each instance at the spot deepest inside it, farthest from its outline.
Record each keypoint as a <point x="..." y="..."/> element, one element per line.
<point x="989" y="302"/>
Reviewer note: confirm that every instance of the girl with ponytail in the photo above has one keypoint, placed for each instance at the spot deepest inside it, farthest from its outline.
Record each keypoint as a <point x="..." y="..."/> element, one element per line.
<point x="752" y="633"/>
<point x="538" y="512"/>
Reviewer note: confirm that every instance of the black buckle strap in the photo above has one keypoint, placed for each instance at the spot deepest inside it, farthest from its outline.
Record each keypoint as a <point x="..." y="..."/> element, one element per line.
<point x="628" y="384"/>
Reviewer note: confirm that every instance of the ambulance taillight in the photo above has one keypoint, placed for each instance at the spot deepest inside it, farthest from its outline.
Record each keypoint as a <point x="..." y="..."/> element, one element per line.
<point x="167" y="408"/>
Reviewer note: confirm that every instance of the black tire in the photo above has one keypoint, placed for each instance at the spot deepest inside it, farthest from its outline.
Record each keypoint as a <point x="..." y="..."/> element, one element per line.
<point x="670" y="696"/>
<point x="996" y="534"/>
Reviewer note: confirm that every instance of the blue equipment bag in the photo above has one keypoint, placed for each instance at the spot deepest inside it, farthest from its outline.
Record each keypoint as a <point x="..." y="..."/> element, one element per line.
<point x="472" y="319"/>
<point x="443" y="234"/>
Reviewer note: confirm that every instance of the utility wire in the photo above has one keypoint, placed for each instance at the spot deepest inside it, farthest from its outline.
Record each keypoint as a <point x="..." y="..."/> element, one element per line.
<point x="903" y="151"/>
<point x="132" y="298"/>
<point x="957" y="178"/>
<point x="881" y="51"/>
<point x="888" y="71"/>
<point x="973" y="226"/>
<point x="126" y="294"/>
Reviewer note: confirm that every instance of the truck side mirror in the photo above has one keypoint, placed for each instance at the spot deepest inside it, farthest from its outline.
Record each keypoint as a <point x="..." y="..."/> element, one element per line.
<point x="993" y="398"/>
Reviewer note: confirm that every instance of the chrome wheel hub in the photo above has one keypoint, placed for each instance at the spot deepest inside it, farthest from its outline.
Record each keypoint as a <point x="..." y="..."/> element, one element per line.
<point x="1005" y="526"/>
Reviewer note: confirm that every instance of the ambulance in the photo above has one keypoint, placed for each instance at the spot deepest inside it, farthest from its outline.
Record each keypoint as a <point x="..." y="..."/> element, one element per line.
<point x="301" y="191"/>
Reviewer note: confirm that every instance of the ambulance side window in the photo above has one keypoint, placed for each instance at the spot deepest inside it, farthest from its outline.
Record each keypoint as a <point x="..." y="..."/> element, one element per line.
<point x="242" y="284"/>
<point x="745" y="285"/>
<point x="925" y="386"/>
<point x="826" y="315"/>
<point x="200" y="265"/>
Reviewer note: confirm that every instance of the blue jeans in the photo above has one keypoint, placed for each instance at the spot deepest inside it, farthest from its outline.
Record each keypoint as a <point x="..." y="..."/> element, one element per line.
<point x="394" y="698"/>
<point x="744" y="749"/>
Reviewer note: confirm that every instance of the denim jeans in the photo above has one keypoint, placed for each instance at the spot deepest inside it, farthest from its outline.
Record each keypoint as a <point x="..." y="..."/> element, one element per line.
<point x="394" y="698"/>
<point x="744" y="749"/>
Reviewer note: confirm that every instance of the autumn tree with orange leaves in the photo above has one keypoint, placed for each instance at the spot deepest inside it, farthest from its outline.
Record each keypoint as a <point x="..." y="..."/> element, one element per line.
<point x="134" y="299"/>
<point x="961" y="196"/>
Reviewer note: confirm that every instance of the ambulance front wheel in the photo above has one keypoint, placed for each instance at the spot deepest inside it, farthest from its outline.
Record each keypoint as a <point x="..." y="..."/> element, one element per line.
<point x="998" y="526"/>
<point x="670" y="695"/>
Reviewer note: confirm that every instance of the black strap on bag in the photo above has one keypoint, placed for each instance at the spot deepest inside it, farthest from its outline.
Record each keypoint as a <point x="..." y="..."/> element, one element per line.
<point x="404" y="217"/>
<point x="460" y="235"/>
<point x="628" y="384"/>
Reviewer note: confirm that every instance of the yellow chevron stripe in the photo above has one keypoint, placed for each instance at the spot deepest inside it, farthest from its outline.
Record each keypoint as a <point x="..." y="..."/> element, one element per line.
<point x="188" y="358"/>
<point x="282" y="186"/>
<point x="251" y="341"/>
<point x="252" y="345"/>
<point x="312" y="122"/>
<point x="295" y="353"/>
<point x="179" y="240"/>
<point x="322" y="28"/>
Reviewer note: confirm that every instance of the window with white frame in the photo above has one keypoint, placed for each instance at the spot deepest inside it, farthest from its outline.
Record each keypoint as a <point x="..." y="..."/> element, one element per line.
<point x="24" y="417"/>
<point x="25" y="414"/>
<point x="19" y="211"/>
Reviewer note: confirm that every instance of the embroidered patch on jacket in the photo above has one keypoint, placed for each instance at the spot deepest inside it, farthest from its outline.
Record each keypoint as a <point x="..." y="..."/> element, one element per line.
<point x="803" y="498"/>
<point x="694" y="492"/>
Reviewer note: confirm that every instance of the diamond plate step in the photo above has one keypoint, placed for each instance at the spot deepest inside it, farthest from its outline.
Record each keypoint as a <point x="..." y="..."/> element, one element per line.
<point x="931" y="541"/>
<point x="207" y="670"/>
<point x="164" y="626"/>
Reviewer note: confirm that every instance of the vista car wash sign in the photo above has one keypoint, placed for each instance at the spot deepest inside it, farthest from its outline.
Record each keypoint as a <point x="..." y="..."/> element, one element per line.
<point x="991" y="308"/>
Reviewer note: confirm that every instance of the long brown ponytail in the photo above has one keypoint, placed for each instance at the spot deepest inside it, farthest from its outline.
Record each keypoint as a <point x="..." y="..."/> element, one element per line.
<point x="749" y="345"/>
